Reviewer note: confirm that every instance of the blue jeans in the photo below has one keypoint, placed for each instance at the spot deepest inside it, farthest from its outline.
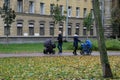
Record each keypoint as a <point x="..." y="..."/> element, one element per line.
<point x="59" y="47"/>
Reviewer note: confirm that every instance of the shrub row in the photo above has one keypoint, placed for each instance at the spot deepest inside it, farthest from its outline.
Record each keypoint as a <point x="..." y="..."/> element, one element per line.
<point x="110" y="45"/>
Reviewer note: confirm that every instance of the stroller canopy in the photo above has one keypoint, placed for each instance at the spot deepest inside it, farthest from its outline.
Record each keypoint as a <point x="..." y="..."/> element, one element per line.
<point x="88" y="43"/>
<point x="47" y="42"/>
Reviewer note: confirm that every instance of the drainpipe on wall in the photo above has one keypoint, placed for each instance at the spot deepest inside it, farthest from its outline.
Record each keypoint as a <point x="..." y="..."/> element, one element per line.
<point x="66" y="32"/>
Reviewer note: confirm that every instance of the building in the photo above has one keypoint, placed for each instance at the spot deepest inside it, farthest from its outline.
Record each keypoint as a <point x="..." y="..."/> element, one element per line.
<point x="33" y="20"/>
<point x="107" y="8"/>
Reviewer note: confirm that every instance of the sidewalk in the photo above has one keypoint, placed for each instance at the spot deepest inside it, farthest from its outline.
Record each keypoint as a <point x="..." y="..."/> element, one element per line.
<point x="94" y="53"/>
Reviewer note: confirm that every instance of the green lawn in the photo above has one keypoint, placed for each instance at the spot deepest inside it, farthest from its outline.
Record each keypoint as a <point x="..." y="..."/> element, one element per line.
<point x="56" y="68"/>
<point x="38" y="47"/>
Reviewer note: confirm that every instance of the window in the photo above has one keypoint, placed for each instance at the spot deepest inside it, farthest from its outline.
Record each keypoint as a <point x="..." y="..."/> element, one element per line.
<point x="31" y="7"/>
<point x="42" y="31"/>
<point x="92" y="13"/>
<point x="69" y="11"/>
<point x="19" y="28"/>
<point x="19" y="6"/>
<point x="61" y="10"/>
<point x="42" y="8"/>
<point x="84" y="31"/>
<point x="51" y="29"/>
<point x="91" y="31"/>
<point x="6" y="30"/>
<point x="8" y="2"/>
<point x="85" y="12"/>
<point x="77" y="28"/>
<point x="51" y="8"/>
<point x="61" y="27"/>
<point x="31" y="29"/>
<point x="77" y="12"/>
<point x="69" y="30"/>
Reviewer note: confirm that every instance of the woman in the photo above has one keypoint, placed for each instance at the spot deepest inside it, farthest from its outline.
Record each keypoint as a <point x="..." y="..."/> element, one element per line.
<point x="75" y="43"/>
<point x="60" y="41"/>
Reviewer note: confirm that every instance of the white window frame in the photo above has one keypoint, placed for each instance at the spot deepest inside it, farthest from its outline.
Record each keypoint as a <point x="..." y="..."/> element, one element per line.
<point x="19" y="5"/>
<point x="85" y="12"/>
<point x="62" y="9"/>
<point x="42" y="8"/>
<point x="31" y="7"/>
<point x="69" y="11"/>
<point x="77" y="12"/>
<point x="43" y="27"/>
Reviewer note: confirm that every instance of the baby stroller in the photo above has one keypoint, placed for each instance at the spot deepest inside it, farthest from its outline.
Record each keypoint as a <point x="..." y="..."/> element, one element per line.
<point x="86" y="48"/>
<point x="49" y="47"/>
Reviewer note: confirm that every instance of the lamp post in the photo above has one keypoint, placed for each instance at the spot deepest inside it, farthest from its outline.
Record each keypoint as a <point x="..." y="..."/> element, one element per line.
<point x="66" y="32"/>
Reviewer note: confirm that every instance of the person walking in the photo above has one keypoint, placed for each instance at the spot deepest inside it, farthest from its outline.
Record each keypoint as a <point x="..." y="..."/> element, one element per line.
<point x="75" y="43"/>
<point x="60" y="41"/>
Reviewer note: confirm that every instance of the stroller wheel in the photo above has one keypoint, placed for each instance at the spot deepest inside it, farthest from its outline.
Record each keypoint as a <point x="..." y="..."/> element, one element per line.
<point x="53" y="51"/>
<point x="89" y="52"/>
<point x="44" y="51"/>
<point x="82" y="52"/>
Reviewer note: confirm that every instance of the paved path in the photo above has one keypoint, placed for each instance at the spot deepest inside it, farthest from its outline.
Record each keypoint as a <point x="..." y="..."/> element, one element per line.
<point x="94" y="53"/>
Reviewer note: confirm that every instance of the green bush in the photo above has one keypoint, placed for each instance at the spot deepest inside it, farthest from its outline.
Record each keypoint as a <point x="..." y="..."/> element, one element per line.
<point x="113" y="44"/>
<point x="110" y="45"/>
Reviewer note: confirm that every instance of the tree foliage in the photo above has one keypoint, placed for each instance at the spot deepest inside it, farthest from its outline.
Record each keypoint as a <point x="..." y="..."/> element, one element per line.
<point x="8" y="16"/>
<point x="56" y="14"/>
<point x="115" y="21"/>
<point x="88" y="21"/>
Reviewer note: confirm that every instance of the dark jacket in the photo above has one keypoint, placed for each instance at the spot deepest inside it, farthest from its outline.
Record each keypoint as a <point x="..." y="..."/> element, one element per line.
<point x="76" y="40"/>
<point x="60" y="38"/>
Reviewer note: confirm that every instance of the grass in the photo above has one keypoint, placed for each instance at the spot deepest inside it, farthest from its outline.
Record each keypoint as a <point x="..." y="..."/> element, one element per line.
<point x="18" y="48"/>
<point x="38" y="47"/>
<point x="56" y="68"/>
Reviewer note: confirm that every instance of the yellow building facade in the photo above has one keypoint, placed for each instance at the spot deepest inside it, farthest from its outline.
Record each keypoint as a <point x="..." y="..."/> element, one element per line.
<point x="33" y="18"/>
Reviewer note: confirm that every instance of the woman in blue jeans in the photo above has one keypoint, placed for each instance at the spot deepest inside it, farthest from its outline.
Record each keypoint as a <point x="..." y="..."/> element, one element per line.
<point x="60" y="41"/>
<point x="75" y="43"/>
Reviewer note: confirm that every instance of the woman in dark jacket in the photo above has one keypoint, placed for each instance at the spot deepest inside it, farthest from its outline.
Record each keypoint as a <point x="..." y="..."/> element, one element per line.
<point x="60" y="41"/>
<point x="75" y="43"/>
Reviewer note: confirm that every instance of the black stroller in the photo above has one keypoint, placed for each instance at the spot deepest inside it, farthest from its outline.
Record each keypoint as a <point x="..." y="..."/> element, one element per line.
<point x="49" y="47"/>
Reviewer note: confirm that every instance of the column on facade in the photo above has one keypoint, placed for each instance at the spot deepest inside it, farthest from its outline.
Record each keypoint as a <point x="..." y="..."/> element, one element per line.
<point x="64" y="28"/>
<point x="36" y="28"/>
<point x="107" y="18"/>
<point x="81" y="29"/>
<point x="73" y="28"/>
<point x="25" y="28"/>
<point x="56" y="29"/>
<point x="1" y="27"/>
<point x="47" y="25"/>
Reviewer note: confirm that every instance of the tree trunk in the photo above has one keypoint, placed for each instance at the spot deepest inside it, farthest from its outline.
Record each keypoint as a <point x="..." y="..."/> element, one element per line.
<point x="107" y="73"/>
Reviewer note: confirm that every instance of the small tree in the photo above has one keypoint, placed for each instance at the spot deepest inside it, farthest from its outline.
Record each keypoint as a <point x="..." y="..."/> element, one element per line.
<point x="88" y="21"/>
<point x="56" y="15"/>
<point x="107" y="73"/>
<point x="8" y="16"/>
